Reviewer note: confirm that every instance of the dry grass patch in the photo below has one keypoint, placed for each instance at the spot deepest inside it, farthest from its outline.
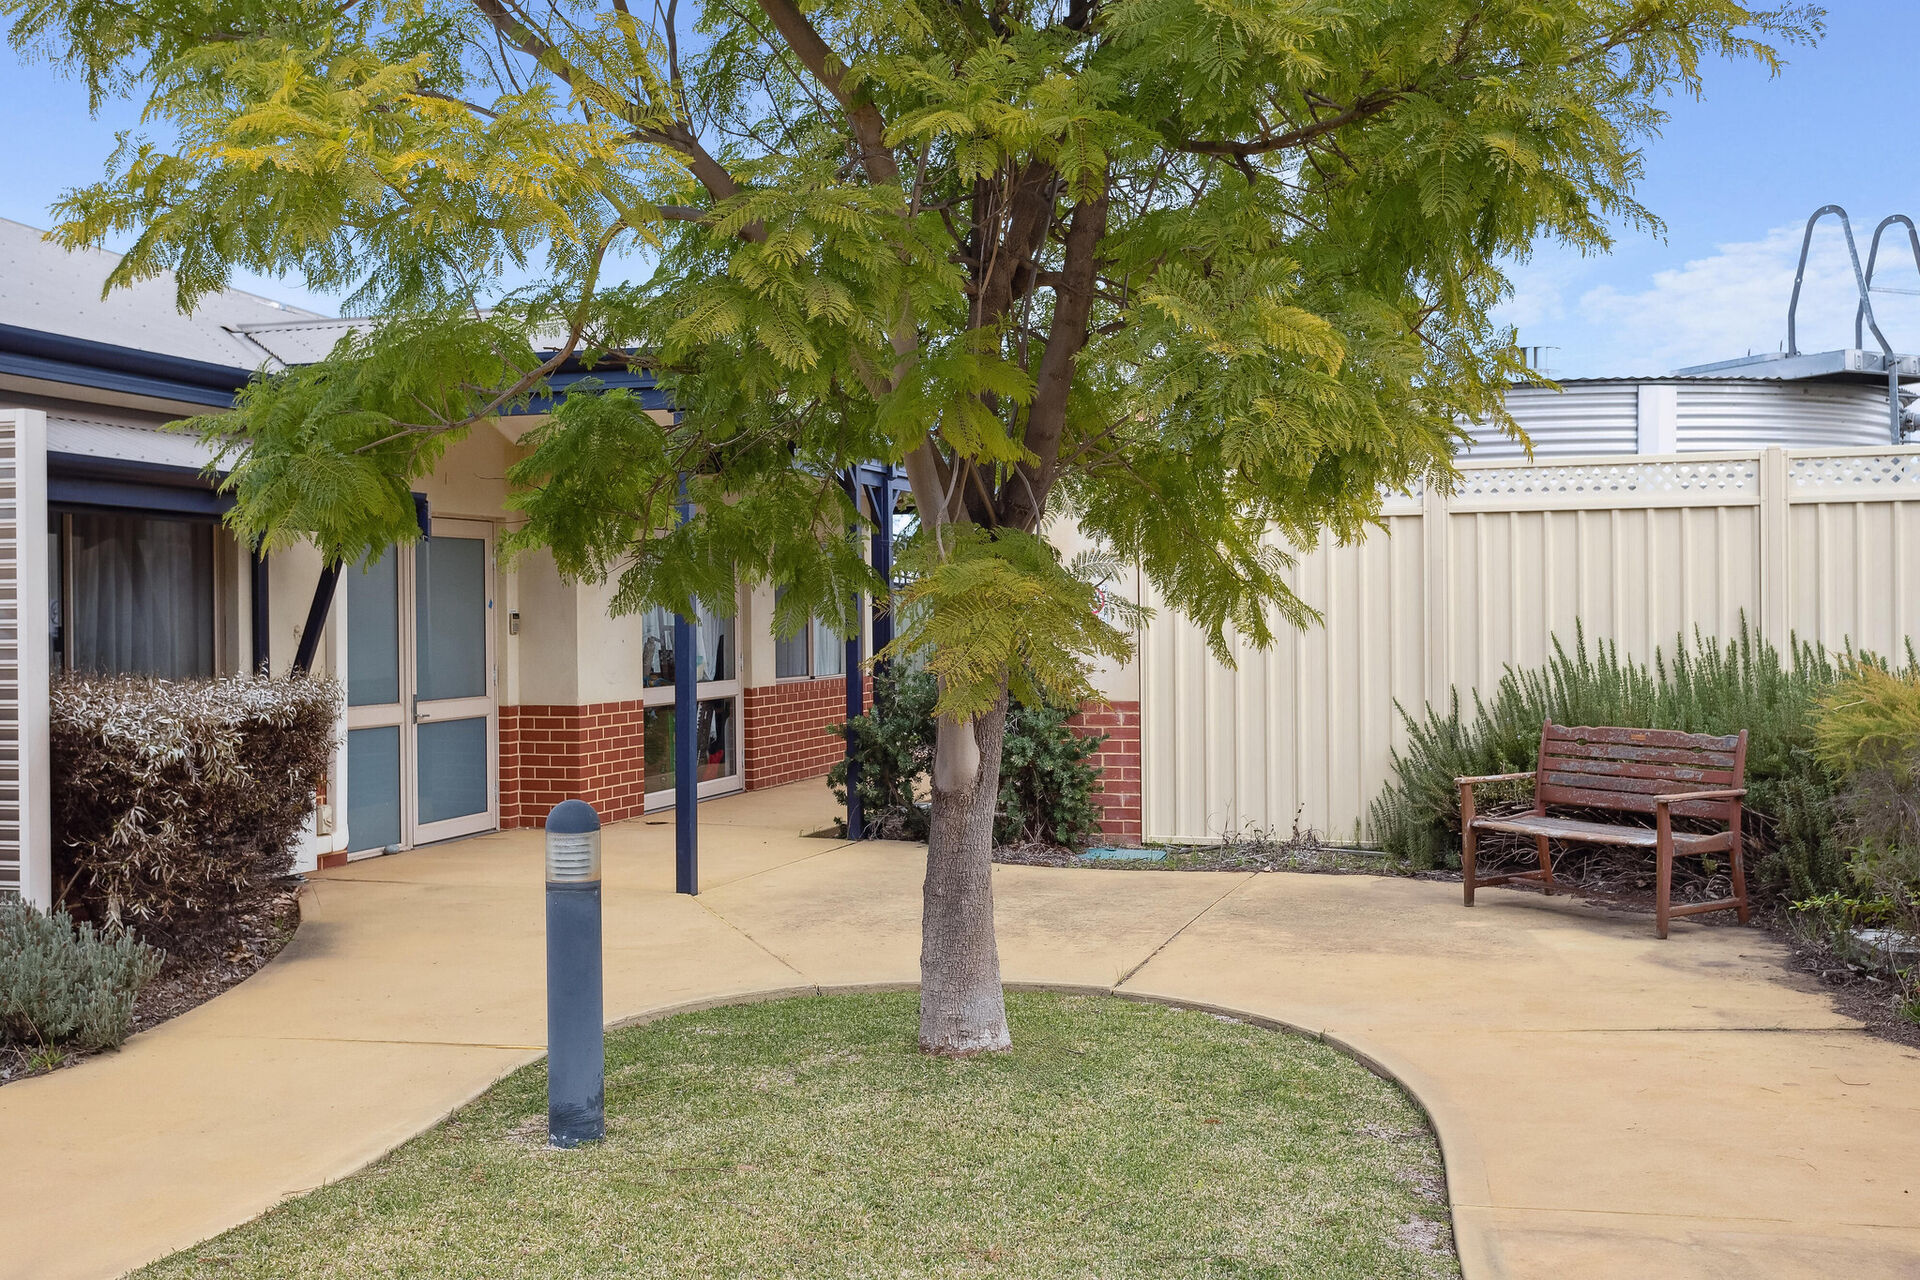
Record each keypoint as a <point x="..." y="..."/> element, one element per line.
<point x="808" y="1137"/>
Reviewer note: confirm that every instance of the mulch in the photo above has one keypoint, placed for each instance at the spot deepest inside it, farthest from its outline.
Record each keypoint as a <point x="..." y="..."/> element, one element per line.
<point x="217" y="956"/>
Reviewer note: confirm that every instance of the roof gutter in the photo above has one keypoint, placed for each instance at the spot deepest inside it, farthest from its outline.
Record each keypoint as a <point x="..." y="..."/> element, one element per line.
<point x="55" y="357"/>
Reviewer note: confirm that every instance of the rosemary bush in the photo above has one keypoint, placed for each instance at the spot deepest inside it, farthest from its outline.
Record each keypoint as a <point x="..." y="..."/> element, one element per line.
<point x="62" y="983"/>
<point x="1708" y="686"/>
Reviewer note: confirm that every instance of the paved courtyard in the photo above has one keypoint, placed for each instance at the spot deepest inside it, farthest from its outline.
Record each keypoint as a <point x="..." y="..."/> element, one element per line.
<point x="1608" y="1104"/>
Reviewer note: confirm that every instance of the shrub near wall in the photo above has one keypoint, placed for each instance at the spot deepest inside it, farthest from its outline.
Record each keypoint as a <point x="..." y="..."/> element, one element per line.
<point x="62" y="983"/>
<point x="174" y="800"/>
<point x="1047" y="775"/>
<point x="1796" y="850"/>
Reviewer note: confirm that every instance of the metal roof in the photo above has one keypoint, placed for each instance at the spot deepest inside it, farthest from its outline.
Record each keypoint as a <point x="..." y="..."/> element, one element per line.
<point x="46" y="288"/>
<point x="1851" y="365"/>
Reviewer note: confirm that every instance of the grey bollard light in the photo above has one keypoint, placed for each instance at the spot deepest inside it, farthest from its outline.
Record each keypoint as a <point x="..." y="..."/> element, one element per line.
<point x="576" y="1027"/>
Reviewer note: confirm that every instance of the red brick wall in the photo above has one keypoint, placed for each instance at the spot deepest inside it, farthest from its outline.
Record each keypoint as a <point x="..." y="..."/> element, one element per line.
<point x="592" y="753"/>
<point x="786" y="729"/>
<point x="1119" y="761"/>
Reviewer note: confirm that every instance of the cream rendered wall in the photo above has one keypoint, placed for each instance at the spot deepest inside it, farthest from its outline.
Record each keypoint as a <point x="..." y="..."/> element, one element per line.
<point x="1115" y="681"/>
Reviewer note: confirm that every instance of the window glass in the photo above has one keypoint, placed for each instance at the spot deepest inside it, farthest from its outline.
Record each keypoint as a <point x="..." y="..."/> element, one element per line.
<point x="713" y="644"/>
<point x="656" y="647"/>
<point x="450" y="616"/>
<point x="56" y="596"/>
<point x="453" y="768"/>
<point x="789" y="653"/>
<point x="716" y="749"/>
<point x="142" y="595"/>
<point x="829" y="650"/>
<point x="714" y="639"/>
<point x="373" y="787"/>
<point x="373" y="631"/>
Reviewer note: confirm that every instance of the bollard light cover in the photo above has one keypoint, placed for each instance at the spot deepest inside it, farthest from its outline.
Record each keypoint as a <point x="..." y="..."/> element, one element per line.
<point x="573" y="843"/>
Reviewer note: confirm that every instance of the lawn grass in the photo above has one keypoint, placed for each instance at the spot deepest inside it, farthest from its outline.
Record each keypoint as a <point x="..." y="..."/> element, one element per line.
<point x="809" y="1137"/>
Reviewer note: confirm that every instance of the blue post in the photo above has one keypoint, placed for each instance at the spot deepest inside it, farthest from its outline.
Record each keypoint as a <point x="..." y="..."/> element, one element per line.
<point x="884" y="495"/>
<point x="686" y="738"/>
<point x="576" y="1012"/>
<point x="856" y="703"/>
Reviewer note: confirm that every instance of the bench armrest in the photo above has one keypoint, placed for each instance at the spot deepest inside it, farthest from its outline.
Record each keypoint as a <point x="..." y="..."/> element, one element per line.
<point x="1492" y="777"/>
<point x="1678" y="797"/>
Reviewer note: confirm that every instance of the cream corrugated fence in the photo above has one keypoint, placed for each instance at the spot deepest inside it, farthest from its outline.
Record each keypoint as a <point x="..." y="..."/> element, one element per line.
<point x="1458" y="586"/>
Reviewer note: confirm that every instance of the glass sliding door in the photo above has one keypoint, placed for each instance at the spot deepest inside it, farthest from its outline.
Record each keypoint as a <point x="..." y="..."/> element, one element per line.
<point x="717" y="721"/>
<point x="421" y="714"/>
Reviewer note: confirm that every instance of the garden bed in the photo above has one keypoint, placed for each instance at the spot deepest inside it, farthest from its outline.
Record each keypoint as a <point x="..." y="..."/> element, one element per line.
<point x="810" y="1137"/>
<point x="227" y="955"/>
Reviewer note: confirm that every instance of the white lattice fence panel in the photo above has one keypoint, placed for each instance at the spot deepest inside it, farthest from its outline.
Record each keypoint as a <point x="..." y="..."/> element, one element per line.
<point x="1875" y="476"/>
<point x="1644" y="482"/>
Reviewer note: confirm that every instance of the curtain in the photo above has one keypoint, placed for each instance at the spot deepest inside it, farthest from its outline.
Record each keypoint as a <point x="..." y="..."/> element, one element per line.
<point x="142" y="598"/>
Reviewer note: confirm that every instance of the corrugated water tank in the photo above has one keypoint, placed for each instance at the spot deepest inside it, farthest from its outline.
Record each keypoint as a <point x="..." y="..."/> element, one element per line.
<point x="1596" y="416"/>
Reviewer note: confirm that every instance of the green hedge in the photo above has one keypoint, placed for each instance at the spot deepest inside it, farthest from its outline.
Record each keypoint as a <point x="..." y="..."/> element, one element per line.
<point x="1708" y="686"/>
<point x="1047" y="775"/>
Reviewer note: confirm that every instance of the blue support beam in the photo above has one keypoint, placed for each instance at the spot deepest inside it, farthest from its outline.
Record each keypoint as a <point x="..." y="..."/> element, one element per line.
<point x="880" y="489"/>
<point x="856" y="703"/>
<point x="686" y="739"/>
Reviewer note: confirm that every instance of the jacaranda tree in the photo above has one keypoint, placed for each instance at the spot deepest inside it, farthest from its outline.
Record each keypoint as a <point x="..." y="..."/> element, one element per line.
<point x="1208" y="276"/>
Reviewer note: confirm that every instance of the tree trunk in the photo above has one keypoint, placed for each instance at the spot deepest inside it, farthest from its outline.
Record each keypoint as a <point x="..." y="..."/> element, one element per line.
<point x="962" y="1009"/>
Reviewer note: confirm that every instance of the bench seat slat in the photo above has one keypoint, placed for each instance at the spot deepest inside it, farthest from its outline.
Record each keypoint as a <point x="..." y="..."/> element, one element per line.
<point x="1575" y="829"/>
<point x="1626" y="801"/>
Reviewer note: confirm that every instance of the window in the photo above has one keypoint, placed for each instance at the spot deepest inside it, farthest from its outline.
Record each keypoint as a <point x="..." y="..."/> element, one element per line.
<point x="713" y="648"/>
<point x="133" y="594"/>
<point x="817" y="650"/>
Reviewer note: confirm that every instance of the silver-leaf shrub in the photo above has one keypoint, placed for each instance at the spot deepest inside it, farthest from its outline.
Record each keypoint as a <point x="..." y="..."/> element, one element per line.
<point x="174" y="800"/>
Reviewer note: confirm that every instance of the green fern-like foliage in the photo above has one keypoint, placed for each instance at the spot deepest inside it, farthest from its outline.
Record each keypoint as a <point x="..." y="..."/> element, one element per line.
<point x="1703" y="686"/>
<point x="1211" y="275"/>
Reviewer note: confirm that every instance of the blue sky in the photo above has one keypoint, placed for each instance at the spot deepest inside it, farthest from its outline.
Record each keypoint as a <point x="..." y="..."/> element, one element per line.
<point x="1734" y="176"/>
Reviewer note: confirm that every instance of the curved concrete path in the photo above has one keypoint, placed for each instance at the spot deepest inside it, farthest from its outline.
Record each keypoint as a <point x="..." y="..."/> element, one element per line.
<point x="1609" y="1105"/>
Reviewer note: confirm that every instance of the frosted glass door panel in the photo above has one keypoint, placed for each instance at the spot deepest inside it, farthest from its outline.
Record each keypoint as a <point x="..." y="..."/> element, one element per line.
<point x="373" y="632"/>
<point x="451" y="608"/>
<point x="453" y="769"/>
<point x="373" y="787"/>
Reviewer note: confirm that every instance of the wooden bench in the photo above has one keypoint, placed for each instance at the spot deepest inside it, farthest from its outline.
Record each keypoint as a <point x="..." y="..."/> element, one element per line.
<point x="1640" y="771"/>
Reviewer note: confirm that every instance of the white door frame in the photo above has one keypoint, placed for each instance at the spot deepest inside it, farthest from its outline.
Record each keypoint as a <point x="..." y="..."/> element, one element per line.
<point x="485" y="705"/>
<point x="410" y="711"/>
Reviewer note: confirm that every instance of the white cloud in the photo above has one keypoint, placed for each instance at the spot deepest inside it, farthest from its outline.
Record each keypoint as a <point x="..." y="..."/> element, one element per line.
<point x="1735" y="301"/>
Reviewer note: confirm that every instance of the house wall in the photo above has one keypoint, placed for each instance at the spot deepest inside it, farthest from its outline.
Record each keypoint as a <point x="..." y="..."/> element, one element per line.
<point x="786" y="729"/>
<point x="1454" y="588"/>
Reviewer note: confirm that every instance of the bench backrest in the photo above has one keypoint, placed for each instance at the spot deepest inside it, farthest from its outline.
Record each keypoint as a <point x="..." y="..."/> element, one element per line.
<point x="1624" y="769"/>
